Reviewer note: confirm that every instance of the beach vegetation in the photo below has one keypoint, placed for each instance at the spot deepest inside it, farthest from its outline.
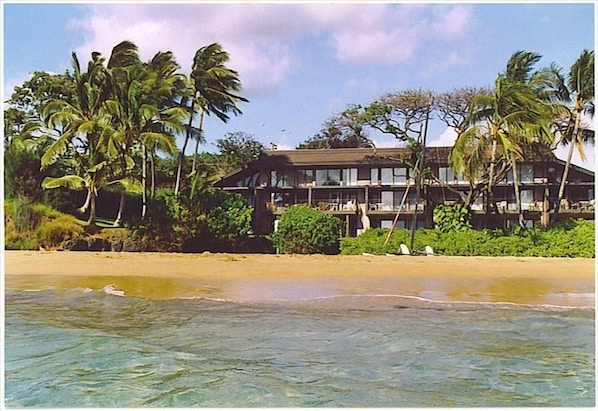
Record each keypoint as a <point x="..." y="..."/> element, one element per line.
<point x="575" y="98"/>
<point x="516" y="114"/>
<point x="214" y="220"/>
<point x="454" y="217"/>
<point x="212" y="88"/>
<point x="572" y="238"/>
<point x="305" y="230"/>
<point x="29" y="225"/>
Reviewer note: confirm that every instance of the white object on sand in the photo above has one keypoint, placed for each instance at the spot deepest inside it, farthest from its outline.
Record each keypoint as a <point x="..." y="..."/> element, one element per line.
<point x="405" y="249"/>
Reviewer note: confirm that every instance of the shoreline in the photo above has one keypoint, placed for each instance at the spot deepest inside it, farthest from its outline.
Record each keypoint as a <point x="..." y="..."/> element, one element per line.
<point x="268" y="277"/>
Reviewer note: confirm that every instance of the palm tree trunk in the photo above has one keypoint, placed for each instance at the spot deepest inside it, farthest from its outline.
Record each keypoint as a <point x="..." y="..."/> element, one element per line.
<point x="143" y="181"/>
<point x="517" y="192"/>
<point x="179" y="172"/>
<point x="490" y="198"/>
<point x="85" y="205"/>
<point x="119" y="217"/>
<point x="153" y="173"/>
<point x="194" y="167"/>
<point x="572" y="143"/>
<point x="92" y="207"/>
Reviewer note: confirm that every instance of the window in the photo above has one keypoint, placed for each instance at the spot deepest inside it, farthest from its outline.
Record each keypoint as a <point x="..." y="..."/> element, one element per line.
<point x="527" y="198"/>
<point x="387" y="200"/>
<point x="391" y="176"/>
<point x="281" y="178"/>
<point x="446" y="174"/>
<point x="328" y="177"/>
<point x="374" y="176"/>
<point x="350" y="176"/>
<point x="386" y="176"/>
<point x="527" y="173"/>
<point x="251" y="181"/>
<point x="305" y="177"/>
<point x="400" y="175"/>
<point x="388" y="224"/>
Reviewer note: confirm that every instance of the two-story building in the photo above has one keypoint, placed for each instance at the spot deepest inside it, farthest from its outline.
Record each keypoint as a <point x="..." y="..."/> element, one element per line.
<point x="369" y="188"/>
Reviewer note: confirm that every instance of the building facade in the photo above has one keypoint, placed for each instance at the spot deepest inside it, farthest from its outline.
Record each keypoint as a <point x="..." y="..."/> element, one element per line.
<point x="370" y="188"/>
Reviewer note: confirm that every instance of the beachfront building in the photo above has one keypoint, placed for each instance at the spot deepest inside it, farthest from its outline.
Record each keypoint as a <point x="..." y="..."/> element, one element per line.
<point x="369" y="187"/>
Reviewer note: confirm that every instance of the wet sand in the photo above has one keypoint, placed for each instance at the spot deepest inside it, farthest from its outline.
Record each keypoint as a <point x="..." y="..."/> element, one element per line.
<point x="248" y="277"/>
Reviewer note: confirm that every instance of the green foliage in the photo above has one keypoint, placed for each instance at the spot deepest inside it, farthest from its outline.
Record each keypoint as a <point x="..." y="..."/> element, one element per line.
<point x="56" y="231"/>
<point x="212" y="220"/>
<point x="372" y="241"/>
<point x="237" y="150"/>
<point x="22" y="176"/>
<point x="29" y="225"/>
<point x="452" y="218"/>
<point x="574" y="238"/>
<point x="304" y="230"/>
<point x="229" y="216"/>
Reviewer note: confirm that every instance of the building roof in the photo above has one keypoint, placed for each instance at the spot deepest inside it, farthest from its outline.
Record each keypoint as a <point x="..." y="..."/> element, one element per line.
<point x="277" y="159"/>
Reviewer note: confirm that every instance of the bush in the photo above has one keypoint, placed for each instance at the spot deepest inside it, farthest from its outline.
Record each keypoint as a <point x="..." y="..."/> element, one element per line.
<point x="212" y="220"/>
<point x="28" y="225"/>
<point x="575" y="238"/>
<point x="54" y="232"/>
<point x="304" y="230"/>
<point x="452" y="218"/>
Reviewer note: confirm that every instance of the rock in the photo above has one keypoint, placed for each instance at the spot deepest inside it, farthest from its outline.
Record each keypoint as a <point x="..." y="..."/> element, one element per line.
<point x="131" y="246"/>
<point x="76" y="244"/>
<point x="99" y="244"/>
<point x="117" y="246"/>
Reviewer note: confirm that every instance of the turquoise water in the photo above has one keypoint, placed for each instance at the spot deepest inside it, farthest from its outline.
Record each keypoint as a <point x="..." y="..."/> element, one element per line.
<point x="83" y="348"/>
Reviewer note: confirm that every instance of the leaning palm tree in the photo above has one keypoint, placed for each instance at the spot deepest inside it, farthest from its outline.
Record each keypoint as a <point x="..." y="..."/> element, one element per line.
<point x="499" y="126"/>
<point x="577" y="99"/>
<point x="537" y="95"/>
<point x="212" y="91"/>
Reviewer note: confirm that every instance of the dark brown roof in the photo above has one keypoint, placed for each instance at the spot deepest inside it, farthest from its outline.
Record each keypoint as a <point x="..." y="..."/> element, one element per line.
<point x="341" y="156"/>
<point x="276" y="159"/>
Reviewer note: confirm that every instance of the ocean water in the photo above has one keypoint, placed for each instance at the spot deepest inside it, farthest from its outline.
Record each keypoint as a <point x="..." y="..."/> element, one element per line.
<point x="89" y="348"/>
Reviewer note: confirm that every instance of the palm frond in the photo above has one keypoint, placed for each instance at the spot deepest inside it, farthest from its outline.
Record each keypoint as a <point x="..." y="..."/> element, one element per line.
<point x="72" y="182"/>
<point x="57" y="147"/>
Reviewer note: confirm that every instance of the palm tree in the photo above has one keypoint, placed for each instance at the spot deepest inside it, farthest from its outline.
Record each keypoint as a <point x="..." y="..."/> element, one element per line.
<point x="78" y="127"/>
<point x="520" y="69"/>
<point x="577" y="98"/>
<point x="212" y="90"/>
<point x="143" y="116"/>
<point x="501" y="123"/>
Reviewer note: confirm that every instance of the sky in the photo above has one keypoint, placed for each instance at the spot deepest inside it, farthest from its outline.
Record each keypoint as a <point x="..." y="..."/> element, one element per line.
<point x="301" y="63"/>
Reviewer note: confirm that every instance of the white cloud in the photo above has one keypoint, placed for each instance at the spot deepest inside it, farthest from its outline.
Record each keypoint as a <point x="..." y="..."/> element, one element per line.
<point x="10" y="84"/>
<point x="453" y="21"/>
<point x="446" y="139"/>
<point x="261" y="38"/>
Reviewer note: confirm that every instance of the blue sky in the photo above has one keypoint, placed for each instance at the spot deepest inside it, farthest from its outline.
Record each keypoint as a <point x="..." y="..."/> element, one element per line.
<point x="299" y="63"/>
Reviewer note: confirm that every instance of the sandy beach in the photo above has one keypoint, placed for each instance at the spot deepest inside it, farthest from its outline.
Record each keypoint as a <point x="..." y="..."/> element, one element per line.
<point x="248" y="277"/>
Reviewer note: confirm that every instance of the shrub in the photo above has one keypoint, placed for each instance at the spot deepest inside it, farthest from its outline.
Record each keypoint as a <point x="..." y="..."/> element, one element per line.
<point x="304" y="230"/>
<point x="452" y="218"/>
<point x="28" y="225"/>
<point x="54" y="232"/>
<point x="575" y="238"/>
